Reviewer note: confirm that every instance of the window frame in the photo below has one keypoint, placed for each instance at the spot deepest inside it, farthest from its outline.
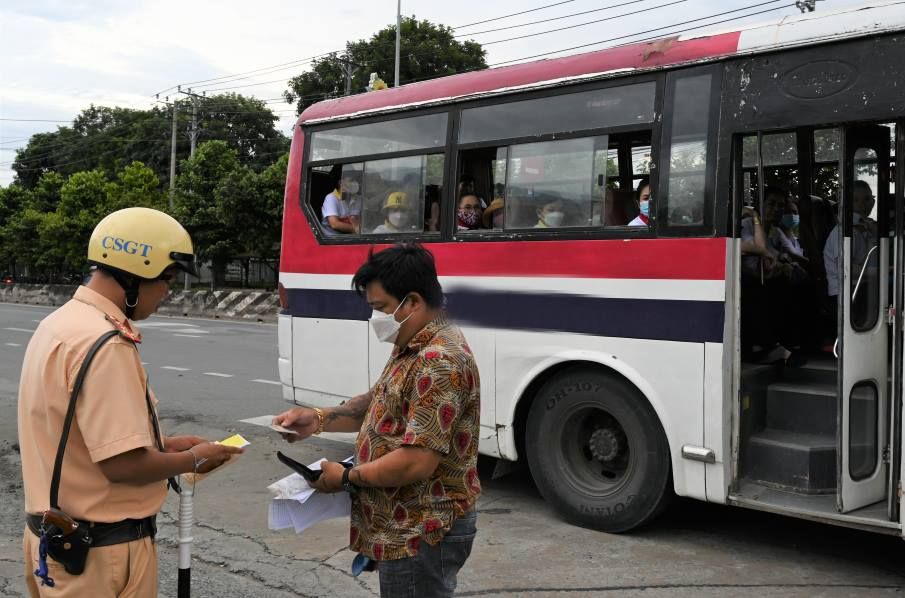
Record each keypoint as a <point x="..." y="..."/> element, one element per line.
<point x="565" y="233"/>
<point x="451" y="152"/>
<point x="715" y="126"/>
<point x="370" y="239"/>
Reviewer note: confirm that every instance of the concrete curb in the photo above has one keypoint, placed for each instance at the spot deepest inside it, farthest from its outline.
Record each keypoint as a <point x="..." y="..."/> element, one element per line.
<point x="260" y="306"/>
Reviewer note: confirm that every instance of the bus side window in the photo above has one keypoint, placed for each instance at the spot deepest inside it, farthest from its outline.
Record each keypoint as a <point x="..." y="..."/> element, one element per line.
<point x="690" y="134"/>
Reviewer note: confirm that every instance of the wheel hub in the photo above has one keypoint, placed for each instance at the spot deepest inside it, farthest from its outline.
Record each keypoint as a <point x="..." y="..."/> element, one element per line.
<point x="605" y="444"/>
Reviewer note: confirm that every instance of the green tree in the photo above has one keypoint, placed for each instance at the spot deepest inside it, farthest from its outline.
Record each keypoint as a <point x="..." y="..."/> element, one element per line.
<point x="427" y="51"/>
<point x="110" y="139"/>
<point x="138" y="186"/>
<point x="196" y="203"/>
<point x="251" y="204"/>
<point x="13" y="200"/>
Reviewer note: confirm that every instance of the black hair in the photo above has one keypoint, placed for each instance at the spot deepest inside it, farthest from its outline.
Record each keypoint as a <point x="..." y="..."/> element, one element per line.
<point x="401" y="269"/>
<point x="864" y="187"/>
<point x="641" y="185"/>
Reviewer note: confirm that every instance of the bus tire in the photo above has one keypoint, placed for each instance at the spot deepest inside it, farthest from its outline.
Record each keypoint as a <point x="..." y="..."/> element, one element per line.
<point x="597" y="450"/>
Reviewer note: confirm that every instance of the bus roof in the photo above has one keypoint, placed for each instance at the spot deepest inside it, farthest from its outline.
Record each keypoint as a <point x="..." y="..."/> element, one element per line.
<point x="805" y="29"/>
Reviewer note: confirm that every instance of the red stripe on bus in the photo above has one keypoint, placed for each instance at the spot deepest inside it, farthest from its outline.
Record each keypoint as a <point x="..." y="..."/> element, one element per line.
<point x="635" y="56"/>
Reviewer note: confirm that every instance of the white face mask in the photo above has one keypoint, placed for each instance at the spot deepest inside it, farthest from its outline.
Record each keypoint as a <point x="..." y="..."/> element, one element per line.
<point x="385" y="326"/>
<point x="397" y="218"/>
<point x="554" y="219"/>
<point x="350" y="187"/>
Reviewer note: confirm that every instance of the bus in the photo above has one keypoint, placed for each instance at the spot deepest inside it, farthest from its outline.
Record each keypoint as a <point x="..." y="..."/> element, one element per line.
<point x="614" y="346"/>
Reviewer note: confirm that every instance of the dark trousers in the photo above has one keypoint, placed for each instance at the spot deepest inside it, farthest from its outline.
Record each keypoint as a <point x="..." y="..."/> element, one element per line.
<point x="432" y="572"/>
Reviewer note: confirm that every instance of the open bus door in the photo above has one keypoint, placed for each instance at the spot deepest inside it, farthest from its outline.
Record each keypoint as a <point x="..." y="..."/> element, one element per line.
<point x="863" y="345"/>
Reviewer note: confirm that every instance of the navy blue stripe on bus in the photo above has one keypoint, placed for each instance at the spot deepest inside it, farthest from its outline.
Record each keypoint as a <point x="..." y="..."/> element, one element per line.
<point x="651" y="319"/>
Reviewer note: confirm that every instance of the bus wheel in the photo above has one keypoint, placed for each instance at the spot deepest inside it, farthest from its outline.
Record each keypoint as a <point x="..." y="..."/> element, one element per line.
<point x="597" y="451"/>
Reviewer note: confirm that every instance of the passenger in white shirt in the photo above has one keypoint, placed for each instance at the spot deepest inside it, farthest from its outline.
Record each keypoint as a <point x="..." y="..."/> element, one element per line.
<point x="642" y="199"/>
<point x="339" y="214"/>
<point x="864" y="236"/>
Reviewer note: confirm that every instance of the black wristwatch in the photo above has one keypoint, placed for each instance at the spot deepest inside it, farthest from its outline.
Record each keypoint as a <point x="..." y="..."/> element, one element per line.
<point x="348" y="486"/>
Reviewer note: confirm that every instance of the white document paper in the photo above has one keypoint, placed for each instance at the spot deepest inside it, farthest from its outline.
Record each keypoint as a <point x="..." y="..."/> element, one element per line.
<point x="299" y="506"/>
<point x="267" y="422"/>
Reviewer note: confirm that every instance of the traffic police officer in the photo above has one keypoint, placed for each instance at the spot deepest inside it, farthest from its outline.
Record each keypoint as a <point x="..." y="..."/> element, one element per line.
<point x="116" y="463"/>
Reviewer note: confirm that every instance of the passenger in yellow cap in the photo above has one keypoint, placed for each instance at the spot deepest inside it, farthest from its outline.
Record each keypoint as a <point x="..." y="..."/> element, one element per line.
<point x="397" y="213"/>
<point x="113" y="479"/>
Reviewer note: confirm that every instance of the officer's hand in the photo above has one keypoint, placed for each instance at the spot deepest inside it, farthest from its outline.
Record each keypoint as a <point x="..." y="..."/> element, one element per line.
<point x="300" y="419"/>
<point x="332" y="478"/>
<point x="177" y="444"/>
<point x="215" y="455"/>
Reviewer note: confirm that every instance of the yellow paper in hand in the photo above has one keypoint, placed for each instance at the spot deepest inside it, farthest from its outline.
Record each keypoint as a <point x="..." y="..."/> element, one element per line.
<point x="236" y="440"/>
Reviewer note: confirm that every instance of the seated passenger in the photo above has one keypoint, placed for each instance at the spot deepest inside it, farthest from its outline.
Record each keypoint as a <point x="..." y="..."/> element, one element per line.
<point x="397" y="215"/>
<point x="340" y="212"/>
<point x="782" y="220"/>
<point x="551" y="215"/>
<point x="864" y="236"/>
<point x="775" y="288"/>
<point x="642" y="200"/>
<point x="495" y="214"/>
<point x="468" y="214"/>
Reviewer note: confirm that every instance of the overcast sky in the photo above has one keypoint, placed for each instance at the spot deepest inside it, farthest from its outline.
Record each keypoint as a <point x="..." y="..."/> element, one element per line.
<point x="59" y="56"/>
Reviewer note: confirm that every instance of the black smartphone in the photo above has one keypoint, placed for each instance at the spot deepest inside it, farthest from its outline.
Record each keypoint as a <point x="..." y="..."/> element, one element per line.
<point x="310" y="475"/>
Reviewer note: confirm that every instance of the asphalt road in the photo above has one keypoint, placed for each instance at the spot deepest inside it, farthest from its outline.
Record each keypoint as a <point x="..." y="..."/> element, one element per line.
<point x="209" y="374"/>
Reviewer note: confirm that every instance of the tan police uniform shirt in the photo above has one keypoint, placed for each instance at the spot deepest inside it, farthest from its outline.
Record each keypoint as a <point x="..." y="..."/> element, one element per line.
<point x="111" y="413"/>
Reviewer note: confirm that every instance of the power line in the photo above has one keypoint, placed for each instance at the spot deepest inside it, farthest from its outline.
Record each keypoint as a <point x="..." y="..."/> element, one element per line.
<point x="659" y="29"/>
<point x="271" y="68"/>
<point x="574" y="14"/>
<point x="611" y="18"/>
<point x="514" y="14"/>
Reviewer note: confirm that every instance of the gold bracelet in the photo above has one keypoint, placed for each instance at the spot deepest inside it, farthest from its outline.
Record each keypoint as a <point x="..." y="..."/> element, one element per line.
<point x="321" y="420"/>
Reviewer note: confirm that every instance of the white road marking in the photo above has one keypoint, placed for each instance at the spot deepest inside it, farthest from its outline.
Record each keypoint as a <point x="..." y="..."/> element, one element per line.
<point x="188" y="336"/>
<point x="145" y="363"/>
<point x="20" y="330"/>
<point x="174" y="368"/>
<point x="38" y="321"/>
<point x="189" y="331"/>
<point x="168" y="325"/>
<point x="13" y="345"/>
<point x="218" y="374"/>
<point x="259" y="381"/>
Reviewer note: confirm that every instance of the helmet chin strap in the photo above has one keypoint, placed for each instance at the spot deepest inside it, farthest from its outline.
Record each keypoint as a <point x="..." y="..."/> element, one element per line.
<point x="131" y="285"/>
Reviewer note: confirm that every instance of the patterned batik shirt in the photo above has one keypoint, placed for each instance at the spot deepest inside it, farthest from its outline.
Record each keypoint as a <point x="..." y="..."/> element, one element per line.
<point x="428" y="396"/>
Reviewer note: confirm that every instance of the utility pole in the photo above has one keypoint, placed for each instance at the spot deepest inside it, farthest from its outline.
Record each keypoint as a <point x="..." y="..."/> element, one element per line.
<point x="193" y="132"/>
<point x="349" y="69"/>
<point x="193" y="135"/>
<point x="398" y="37"/>
<point x="806" y="5"/>
<point x="173" y="150"/>
<point x="193" y="142"/>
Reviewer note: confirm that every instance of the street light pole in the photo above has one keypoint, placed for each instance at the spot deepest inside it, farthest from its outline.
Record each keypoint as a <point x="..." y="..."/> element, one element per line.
<point x="398" y="36"/>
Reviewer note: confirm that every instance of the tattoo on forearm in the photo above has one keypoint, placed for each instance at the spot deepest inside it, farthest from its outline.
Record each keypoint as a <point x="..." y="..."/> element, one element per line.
<point x="354" y="408"/>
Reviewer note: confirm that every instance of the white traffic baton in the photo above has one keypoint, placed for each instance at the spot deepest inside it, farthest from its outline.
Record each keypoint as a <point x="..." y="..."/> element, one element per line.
<point x="186" y="522"/>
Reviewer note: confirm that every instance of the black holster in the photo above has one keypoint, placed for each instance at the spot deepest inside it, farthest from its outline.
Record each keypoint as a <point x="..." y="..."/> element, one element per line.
<point x="71" y="550"/>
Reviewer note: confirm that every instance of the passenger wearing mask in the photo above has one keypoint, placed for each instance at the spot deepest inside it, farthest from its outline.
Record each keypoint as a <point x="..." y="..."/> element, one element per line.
<point x="642" y="199"/>
<point x="397" y="214"/>
<point x="340" y="213"/>
<point x="468" y="214"/>
<point x="864" y="235"/>
<point x="551" y="215"/>
<point x="782" y="220"/>
<point x="495" y="215"/>
<point x="775" y="288"/>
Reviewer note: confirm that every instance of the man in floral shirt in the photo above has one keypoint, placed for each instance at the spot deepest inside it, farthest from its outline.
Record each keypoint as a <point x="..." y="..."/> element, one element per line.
<point x="415" y="481"/>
